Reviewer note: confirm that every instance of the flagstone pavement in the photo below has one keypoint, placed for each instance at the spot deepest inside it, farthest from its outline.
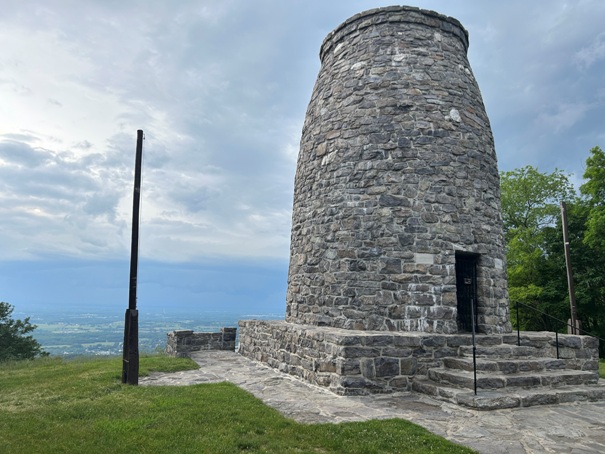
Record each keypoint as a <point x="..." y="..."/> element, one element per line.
<point x="567" y="428"/>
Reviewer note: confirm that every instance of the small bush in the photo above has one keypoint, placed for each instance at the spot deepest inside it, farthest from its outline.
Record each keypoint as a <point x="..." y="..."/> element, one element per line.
<point x="15" y="344"/>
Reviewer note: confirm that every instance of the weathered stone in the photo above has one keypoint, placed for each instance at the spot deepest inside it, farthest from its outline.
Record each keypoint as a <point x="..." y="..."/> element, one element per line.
<point x="396" y="194"/>
<point x="367" y="367"/>
<point x="539" y="399"/>
<point x="488" y="402"/>
<point x="408" y="366"/>
<point x="182" y="343"/>
<point x="399" y="384"/>
<point x="523" y="380"/>
<point x="386" y="367"/>
<point x="407" y="341"/>
<point x="391" y="125"/>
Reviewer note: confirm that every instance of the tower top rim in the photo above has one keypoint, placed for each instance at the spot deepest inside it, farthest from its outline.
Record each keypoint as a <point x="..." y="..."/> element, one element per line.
<point x="394" y="14"/>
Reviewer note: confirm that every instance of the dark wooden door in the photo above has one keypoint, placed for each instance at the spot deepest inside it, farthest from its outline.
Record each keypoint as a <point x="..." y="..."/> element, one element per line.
<point x="466" y="290"/>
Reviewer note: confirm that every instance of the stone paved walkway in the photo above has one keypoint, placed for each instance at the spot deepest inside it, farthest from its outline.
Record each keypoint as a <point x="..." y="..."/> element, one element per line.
<point x="568" y="428"/>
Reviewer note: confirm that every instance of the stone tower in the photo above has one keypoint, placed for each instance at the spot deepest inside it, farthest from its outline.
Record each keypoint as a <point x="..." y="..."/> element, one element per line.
<point x="396" y="220"/>
<point x="397" y="236"/>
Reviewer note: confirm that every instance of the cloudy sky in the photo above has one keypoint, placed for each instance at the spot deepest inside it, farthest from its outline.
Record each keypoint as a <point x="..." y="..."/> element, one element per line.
<point x="220" y="89"/>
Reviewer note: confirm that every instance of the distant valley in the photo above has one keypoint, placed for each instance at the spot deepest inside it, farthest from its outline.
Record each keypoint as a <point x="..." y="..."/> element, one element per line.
<point x="70" y="333"/>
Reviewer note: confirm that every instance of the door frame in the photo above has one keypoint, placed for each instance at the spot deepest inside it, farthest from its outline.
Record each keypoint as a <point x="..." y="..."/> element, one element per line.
<point x="466" y="289"/>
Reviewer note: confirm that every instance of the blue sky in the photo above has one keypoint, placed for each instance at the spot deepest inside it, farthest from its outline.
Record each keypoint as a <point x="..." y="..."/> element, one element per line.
<point x="221" y="89"/>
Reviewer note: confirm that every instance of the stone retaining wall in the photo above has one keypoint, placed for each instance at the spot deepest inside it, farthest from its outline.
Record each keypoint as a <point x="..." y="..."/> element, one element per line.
<point x="181" y="343"/>
<point x="364" y="362"/>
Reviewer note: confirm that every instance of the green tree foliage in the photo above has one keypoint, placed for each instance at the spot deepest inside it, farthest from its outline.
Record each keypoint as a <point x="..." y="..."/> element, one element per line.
<point x="530" y="199"/>
<point x="535" y="252"/>
<point x="15" y="344"/>
<point x="536" y="265"/>
<point x="594" y="191"/>
<point x="590" y="258"/>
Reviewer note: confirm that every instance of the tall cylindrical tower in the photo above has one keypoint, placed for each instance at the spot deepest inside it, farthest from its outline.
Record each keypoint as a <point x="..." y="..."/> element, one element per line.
<point x="396" y="220"/>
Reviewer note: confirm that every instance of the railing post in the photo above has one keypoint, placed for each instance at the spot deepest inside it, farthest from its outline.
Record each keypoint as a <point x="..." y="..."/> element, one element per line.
<point x="474" y="346"/>
<point x="579" y="330"/>
<point x="518" y="326"/>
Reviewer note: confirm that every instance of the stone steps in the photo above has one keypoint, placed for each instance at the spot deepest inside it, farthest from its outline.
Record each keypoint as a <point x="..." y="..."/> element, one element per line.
<point x="497" y="380"/>
<point x="508" y="397"/>
<point x="505" y="366"/>
<point x="508" y="376"/>
<point x="506" y="352"/>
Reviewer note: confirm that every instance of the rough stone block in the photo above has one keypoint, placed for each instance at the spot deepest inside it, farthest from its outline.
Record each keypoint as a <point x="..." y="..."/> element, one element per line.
<point x="378" y="340"/>
<point x="359" y="352"/>
<point x="434" y="341"/>
<point x="367" y="367"/>
<point x="399" y="384"/>
<point x="592" y="365"/>
<point x="487" y="340"/>
<point x="407" y="341"/>
<point x="488" y="402"/>
<point x="539" y="399"/>
<point x="397" y="352"/>
<point x="408" y="366"/>
<point x="386" y="367"/>
<point x="574" y="342"/>
<point x="425" y="387"/>
<point x="523" y="380"/>
<point x="458" y="340"/>
<point x="590" y="342"/>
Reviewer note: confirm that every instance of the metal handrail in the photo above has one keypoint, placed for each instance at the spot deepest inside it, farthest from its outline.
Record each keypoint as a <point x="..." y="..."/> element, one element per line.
<point x="517" y="303"/>
<point x="553" y="318"/>
<point x="474" y="345"/>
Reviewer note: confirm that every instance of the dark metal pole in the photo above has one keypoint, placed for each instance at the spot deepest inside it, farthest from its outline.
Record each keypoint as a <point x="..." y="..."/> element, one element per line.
<point x="518" y="327"/>
<point x="474" y="345"/>
<point x="570" y="286"/>
<point x="130" y="357"/>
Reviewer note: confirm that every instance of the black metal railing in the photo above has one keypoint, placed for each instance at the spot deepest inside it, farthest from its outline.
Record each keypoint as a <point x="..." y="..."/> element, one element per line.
<point x="474" y="345"/>
<point x="473" y="331"/>
<point x="569" y="325"/>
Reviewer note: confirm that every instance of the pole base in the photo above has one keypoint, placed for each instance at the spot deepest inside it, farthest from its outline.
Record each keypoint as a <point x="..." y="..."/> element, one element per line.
<point x="130" y="356"/>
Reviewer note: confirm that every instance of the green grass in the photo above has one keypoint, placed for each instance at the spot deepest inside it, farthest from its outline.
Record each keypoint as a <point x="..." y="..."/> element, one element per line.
<point x="56" y="406"/>
<point x="602" y="368"/>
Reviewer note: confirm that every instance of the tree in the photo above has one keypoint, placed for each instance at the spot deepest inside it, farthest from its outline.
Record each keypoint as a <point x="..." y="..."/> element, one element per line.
<point x="590" y="287"/>
<point x="530" y="199"/>
<point x="536" y="265"/>
<point x="594" y="191"/>
<point x="15" y="344"/>
<point x="535" y="252"/>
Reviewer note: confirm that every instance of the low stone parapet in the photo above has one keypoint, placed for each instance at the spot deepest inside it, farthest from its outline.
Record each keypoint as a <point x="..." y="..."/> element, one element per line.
<point x="352" y="362"/>
<point x="182" y="342"/>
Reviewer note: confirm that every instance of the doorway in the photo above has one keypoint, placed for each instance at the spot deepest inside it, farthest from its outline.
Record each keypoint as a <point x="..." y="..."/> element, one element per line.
<point x="466" y="289"/>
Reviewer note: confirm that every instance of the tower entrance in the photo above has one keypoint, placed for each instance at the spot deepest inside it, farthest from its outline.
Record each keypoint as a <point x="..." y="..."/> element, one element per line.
<point x="466" y="290"/>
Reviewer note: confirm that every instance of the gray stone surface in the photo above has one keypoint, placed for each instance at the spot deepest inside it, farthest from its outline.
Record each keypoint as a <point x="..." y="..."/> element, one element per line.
<point x="396" y="173"/>
<point x="363" y="362"/>
<point x="181" y="343"/>
<point x="565" y="428"/>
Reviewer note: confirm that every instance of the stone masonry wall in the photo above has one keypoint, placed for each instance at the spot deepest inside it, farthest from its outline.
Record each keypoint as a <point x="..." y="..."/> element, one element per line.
<point x="364" y="362"/>
<point x="396" y="172"/>
<point x="182" y="342"/>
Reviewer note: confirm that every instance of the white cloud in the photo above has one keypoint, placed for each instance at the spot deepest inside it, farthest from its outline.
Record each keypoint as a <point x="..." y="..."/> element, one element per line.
<point x="593" y="52"/>
<point x="564" y="116"/>
<point x="220" y="89"/>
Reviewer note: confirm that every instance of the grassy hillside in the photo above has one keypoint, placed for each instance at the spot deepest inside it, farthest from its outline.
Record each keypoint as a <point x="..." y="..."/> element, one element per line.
<point x="51" y="406"/>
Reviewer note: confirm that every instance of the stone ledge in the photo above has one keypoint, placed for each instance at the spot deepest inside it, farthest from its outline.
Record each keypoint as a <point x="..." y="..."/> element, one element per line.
<point x="365" y="362"/>
<point x="181" y="343"/>
<point x="410" y="14"/>
<point x="497" y="400"/>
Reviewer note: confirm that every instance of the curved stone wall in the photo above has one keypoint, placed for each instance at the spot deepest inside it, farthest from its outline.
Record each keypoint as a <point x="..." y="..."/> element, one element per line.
<point x="396" y="173"/>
